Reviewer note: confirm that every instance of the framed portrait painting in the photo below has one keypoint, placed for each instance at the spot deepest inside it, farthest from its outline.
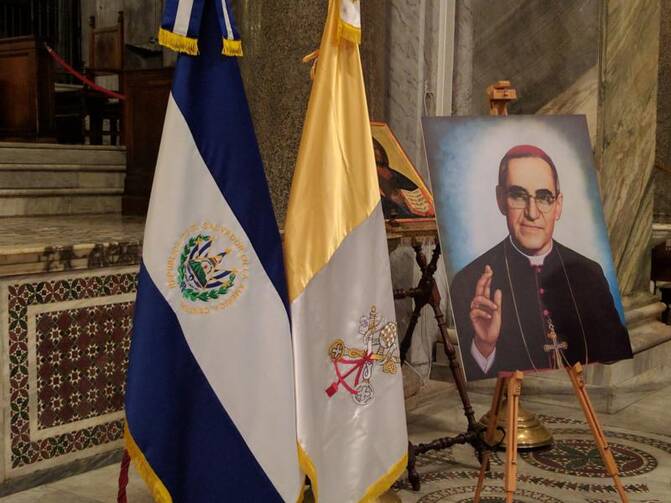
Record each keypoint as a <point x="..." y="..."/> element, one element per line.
<point x="403" y="192"/>
<point x="531" y="277"/>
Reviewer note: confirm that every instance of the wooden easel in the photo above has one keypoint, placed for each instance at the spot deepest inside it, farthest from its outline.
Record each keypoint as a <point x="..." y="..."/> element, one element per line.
<point x="500" y="94"/>
<point x="513" y="382"/>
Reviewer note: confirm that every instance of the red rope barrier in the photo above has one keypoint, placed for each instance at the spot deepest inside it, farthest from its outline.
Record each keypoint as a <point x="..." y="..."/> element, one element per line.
<point x="123" y="478"/>
<point x="82" y="78"/>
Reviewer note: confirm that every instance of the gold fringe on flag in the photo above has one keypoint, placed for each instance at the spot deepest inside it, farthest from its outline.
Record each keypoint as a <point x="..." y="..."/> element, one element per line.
<point x="349" y="32"/>
<point x="309" y="468"/>
<point x="385" y="482"/>
<point x="177" y="42"/>
<point x="158" y="491"/>
<point x="232" y="47"/>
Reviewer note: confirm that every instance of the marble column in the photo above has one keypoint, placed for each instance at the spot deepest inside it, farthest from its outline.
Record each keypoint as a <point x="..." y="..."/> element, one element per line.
<point x="662" y="182"/>
<point x="375" y="36"/>
<point x="412" y="52"/>
<point x="412" y="86"/>
<point x="626" y="129"/>
<point x="275" y="39"/>
<point x="462" y="88"/>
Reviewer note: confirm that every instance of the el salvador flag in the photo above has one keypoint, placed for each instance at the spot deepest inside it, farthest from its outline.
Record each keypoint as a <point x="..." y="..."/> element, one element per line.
<point x="210" y="401"/>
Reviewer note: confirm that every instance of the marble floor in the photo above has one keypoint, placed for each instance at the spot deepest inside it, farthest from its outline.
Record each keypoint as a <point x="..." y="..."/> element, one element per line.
<point x="19" y="233"/>
<point x="571" y="471"/>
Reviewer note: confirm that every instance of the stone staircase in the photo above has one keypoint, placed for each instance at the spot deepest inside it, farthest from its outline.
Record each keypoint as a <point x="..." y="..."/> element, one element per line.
<point x="51" y="179"/>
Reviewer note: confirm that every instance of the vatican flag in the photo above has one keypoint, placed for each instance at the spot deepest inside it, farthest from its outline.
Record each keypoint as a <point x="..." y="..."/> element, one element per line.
<point x="350" y="413"/>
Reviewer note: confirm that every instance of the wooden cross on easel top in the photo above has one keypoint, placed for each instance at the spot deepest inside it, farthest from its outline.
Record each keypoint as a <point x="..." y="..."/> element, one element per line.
<point x="500" y="94"/>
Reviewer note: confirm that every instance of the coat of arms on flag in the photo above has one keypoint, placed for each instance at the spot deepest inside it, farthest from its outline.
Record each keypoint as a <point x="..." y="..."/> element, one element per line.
<point x="379" y="353"/>
<point x="210" y="266"/>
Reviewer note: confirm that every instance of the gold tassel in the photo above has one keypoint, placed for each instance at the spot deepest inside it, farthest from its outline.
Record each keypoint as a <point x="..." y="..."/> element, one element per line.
<point x="314" y="57"/>
<point x="349" y="32"/>
<point x="232" y="47"/>
<point x="177" y="42"/>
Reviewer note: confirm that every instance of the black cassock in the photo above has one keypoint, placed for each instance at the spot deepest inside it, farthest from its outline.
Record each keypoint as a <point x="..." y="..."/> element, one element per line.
<point x="543" y="295"/>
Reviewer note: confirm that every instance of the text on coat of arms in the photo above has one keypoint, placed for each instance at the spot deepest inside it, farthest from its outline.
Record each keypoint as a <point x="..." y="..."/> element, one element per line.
<point x="354" y="367"/>
<point x="209" y="266"/>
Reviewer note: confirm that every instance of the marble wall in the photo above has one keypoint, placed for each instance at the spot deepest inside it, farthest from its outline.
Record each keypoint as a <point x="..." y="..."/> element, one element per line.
<point x="581" y="97"/>
<point x="627" y="121"/>
<point x="577" y="56"/>
<point x="542" y="46"/>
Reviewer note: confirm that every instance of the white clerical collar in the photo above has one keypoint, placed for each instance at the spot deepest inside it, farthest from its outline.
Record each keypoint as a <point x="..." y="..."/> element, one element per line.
<point x="534" y="260"/>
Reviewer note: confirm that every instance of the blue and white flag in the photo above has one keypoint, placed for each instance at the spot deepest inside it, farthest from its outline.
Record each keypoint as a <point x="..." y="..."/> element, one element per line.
<point x="210" y="402"/>
<point x="181" y="24"/>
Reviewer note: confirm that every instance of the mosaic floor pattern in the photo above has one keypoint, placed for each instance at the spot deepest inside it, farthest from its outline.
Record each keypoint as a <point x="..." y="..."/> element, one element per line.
<point x="569" y="471"/>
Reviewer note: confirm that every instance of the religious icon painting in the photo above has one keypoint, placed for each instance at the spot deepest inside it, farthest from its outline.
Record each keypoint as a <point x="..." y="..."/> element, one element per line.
<point x="403" y="192"/>
<point x="531" y="277"/>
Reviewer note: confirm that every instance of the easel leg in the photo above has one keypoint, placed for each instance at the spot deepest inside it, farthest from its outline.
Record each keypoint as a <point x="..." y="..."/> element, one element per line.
<point x="514" y="390"/>
<point x="490" y="435"/>
<point x="578" y="381"/>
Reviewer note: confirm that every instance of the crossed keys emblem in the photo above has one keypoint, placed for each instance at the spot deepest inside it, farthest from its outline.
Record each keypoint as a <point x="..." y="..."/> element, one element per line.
<point x="354" y="366"/>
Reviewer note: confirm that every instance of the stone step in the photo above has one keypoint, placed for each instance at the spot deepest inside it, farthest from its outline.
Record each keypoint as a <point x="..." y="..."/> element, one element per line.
<point x="45" y="154"/>
<point x="59" y="201"/>
<point x="112" y="176"/>
<point x="644" y="314"/>
<point x="61" y="168"/>
<point x="52" y="179"/>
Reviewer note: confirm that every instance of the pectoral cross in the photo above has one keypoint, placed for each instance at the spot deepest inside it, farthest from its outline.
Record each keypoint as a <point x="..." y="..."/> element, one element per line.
<point x="554" y="347"/>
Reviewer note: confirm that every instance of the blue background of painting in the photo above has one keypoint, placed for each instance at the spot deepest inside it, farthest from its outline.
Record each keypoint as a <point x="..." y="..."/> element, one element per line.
<point x="463" y="155"/>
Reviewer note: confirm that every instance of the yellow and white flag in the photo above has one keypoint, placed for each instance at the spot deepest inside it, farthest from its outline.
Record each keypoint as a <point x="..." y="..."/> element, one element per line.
<point x="351" y="420"/>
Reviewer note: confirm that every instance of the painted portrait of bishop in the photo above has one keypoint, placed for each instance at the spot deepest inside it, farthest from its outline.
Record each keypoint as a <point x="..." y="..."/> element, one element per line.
<point x="531" y="301"/>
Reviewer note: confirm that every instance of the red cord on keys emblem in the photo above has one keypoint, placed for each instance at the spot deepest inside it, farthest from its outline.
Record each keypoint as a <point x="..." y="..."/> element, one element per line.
<point x="354" y="366"/>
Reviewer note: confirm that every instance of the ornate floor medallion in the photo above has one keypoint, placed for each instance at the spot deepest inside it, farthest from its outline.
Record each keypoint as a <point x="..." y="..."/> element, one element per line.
<point x="464" y="494"/>
<point x="571" y="471"/>
<point x="580" y="457"/>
